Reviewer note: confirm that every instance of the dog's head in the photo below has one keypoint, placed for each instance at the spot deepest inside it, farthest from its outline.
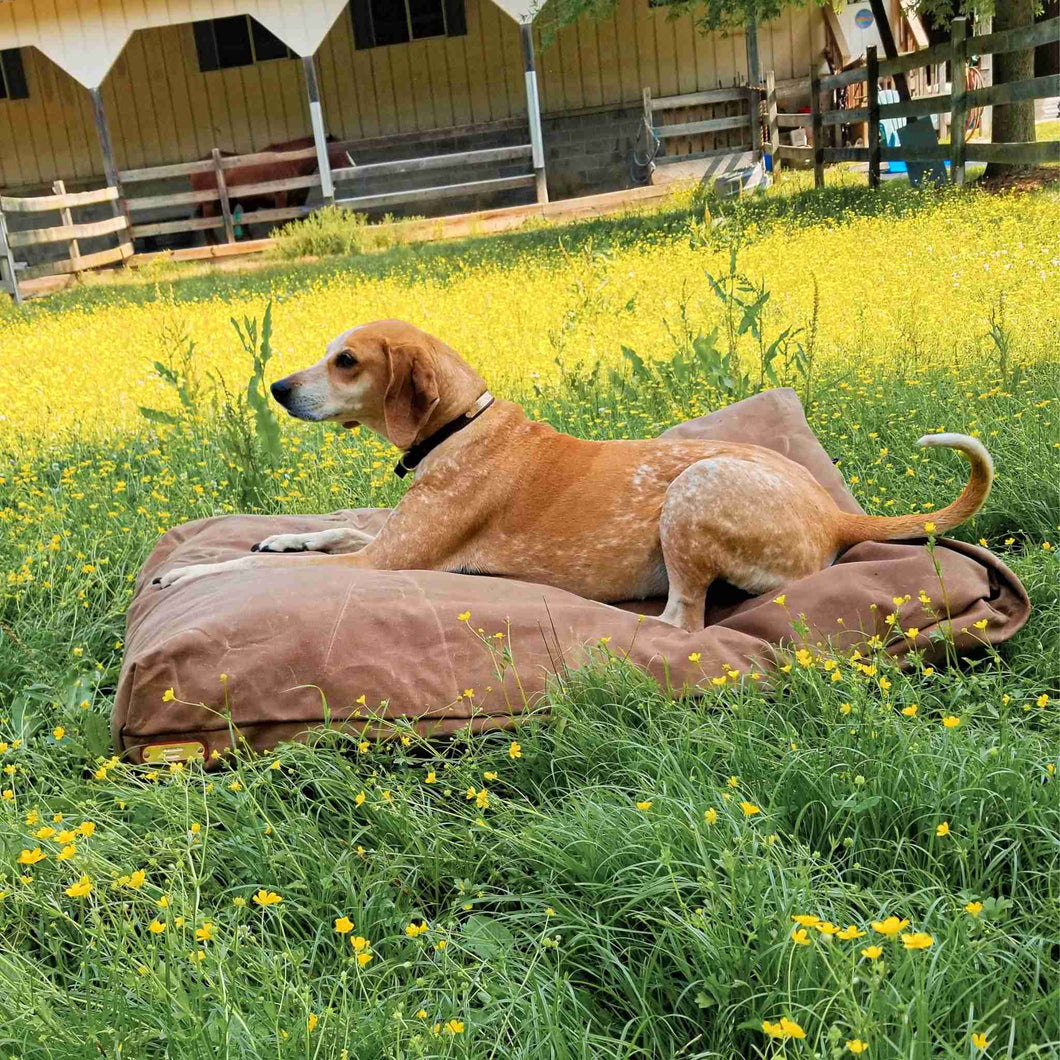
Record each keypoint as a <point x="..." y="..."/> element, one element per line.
<point x="387" y="375"/>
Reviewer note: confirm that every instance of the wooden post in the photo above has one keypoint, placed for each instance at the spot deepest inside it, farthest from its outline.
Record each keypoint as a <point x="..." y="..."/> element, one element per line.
<point x="817" y="127"/>
<point x="958" y="106"/>
<point x="7" y="262"/>
<point x="533" y="107"/>
<point x="222" y="190"/>
<point x="67" y="218"/>
<point x="986" y="71"/>
<point x="872" y="71"/>
<point x="774" y="125"/>
<point x="755" y="109"/>
<point x="106" y="148"/>
<point x="316" y="115"/>
<point x="883" y="27"/>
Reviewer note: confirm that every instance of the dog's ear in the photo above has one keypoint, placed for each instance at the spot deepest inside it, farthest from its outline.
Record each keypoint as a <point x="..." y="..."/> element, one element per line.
<point x="411" y="395"/>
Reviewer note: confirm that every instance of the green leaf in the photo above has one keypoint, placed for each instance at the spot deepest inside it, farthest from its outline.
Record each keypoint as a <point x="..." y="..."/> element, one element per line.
<point x="486" y="938"/>
<point x="158" y="416"/>
<point x="640" y="370"/>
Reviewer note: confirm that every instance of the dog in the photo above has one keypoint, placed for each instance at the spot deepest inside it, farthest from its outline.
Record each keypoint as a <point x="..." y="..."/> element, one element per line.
<point x="497" y="493"/>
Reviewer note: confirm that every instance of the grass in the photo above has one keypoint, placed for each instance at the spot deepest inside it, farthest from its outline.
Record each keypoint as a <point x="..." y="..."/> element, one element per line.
<point x="565" y="916"/>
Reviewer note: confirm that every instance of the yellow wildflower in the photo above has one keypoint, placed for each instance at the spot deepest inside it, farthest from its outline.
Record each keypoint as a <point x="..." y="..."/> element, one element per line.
<point x="919" y="940"/>
<point x="81" y="888"/>
<point x="889" y="927"/>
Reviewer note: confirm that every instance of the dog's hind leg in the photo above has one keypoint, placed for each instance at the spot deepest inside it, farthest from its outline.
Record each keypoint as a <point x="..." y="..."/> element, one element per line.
<point x="732" y="518"/>
<point x="689" y="566"/>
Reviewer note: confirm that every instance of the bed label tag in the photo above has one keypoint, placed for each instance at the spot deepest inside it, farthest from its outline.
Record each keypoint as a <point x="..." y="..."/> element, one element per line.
<point x="156" y="754"/>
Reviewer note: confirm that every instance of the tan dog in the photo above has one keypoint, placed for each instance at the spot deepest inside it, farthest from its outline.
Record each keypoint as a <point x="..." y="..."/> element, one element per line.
<point x="618" y="520"/>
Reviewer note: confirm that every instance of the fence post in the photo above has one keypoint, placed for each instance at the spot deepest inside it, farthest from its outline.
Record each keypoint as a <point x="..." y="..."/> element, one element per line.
<point x="958" y="105"/>
<point x="774" y="125"/>
<point x="754" y="107"/>
<point x="7" y="261"/>
<point x="817" y="128"/>
<point x="222" y="190"/>
<point x="67" y="218"/>
<point x="872" y="71"/>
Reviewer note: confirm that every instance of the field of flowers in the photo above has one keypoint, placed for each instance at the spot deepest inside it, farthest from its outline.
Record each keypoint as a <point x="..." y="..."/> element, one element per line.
<point x="858" y="862"/>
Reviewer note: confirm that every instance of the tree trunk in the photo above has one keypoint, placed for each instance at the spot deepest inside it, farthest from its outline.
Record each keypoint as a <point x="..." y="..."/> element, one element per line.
<point x="1013" y="122"/>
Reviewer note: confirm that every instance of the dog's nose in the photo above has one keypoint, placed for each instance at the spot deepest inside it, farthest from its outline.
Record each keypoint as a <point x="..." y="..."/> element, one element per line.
<point x="281" y="391"/>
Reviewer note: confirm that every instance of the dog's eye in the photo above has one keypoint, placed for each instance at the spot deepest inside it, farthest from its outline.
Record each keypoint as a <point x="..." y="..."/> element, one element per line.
<point x="345" y="360"/>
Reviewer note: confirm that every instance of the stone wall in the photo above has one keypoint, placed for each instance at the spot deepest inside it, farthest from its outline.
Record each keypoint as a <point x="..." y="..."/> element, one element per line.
<point x="590" y="151"/>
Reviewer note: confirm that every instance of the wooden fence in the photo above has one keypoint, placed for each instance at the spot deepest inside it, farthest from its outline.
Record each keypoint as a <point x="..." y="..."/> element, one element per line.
<point x="747" y="101"/>
<point x="957" y="104"/>
<point x="67" y="231"/>
<point x="224" y="193"/>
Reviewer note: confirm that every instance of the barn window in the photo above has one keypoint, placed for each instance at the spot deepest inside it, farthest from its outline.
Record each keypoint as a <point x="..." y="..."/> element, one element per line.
<point x="237" y="40"/>
<point x="379" y="22"/>
<point x="12" y="75"/>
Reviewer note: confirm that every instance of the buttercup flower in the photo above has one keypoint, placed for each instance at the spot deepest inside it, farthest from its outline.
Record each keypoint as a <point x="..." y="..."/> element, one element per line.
<point x="786" y="1028"/>
<point x="889" y="927"/>
<point x="80" y="889"/>
<point x="920" y="940"/>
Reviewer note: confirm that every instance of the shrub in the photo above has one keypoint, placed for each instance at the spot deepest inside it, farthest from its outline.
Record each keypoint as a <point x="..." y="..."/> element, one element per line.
<point x="334" y="230"/>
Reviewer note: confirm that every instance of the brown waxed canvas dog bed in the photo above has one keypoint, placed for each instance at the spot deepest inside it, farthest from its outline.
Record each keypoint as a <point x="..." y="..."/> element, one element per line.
<point x="290" y="639"/>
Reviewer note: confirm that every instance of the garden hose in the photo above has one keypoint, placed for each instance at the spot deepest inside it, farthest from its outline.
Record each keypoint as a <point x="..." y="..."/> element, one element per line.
<point x="647" y="164"/>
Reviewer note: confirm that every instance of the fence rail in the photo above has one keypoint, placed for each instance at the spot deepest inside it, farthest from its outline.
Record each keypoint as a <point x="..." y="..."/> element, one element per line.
<point x="724" y="158"/>
<point x="217" y="201"/>
<point x="67" y="231"/>
<point x="957" y="103"/>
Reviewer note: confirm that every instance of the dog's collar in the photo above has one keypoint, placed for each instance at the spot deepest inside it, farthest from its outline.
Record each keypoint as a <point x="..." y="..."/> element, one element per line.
<point x="411" y="457"/>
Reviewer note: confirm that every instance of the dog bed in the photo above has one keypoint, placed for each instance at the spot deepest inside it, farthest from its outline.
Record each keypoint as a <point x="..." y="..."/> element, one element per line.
<point x="287" y="650"/>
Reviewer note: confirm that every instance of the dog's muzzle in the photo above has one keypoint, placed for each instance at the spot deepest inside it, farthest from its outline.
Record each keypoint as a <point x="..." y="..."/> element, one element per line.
<point x="281" y="391"/>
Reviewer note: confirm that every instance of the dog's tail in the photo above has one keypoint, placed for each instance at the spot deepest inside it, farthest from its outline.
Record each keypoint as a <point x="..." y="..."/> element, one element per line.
<point x="854" y="529"/>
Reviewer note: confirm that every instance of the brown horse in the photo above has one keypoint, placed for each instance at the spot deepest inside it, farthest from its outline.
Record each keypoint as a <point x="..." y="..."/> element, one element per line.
<point x="259" y="173"/>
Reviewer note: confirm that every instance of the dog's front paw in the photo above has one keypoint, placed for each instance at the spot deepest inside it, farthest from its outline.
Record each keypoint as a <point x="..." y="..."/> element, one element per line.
<point x="334" y="542"/>
<point x="284" y="543"/>
<point x="181" y="575"/>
